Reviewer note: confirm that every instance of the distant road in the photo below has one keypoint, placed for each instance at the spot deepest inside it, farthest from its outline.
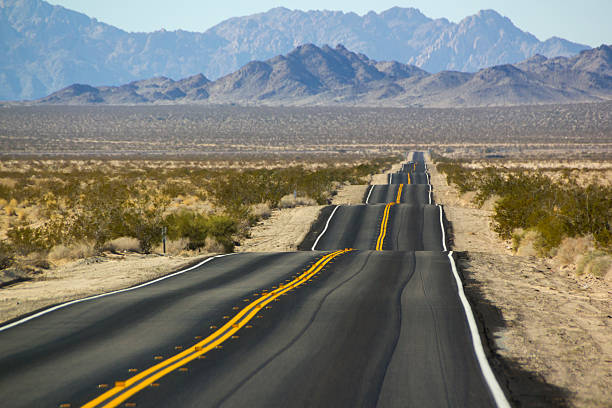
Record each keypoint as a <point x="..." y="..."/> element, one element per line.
<point x="333" y="328"/>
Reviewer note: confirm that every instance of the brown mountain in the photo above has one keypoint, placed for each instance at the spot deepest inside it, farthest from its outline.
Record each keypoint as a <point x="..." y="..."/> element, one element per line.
<point x="310" y="75"/>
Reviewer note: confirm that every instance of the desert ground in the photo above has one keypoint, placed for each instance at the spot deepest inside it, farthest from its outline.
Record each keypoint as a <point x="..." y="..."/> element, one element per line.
<point x="544" y="315"/>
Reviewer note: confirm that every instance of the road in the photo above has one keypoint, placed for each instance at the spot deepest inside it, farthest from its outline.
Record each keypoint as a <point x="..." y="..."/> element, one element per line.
<point x="332" y="328"/>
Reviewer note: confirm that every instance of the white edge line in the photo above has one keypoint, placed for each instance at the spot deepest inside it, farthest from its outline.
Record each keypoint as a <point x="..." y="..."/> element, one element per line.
<point x="72" y="302"/>
<point x="368" y="197"/>
<point x="324" y="229"/>
<point x="442" y="227"/>
<point x="429" y="193"/>
<point x="494" y="387"/>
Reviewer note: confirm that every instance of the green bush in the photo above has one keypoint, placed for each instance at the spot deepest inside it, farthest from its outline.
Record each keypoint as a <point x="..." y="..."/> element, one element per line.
<point x="554" y="209"/>
<point x="25" y="240"/>
<point x="6" y="255"/>
<point x="197" y="227"/>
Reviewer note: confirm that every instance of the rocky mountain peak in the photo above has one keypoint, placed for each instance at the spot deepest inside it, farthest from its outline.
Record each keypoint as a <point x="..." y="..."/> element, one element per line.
<point x="42" y="44"/>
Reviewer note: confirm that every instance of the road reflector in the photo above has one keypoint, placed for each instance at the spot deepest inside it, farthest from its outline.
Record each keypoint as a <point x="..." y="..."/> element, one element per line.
<point x="65" y="405"/>
<point x="235" y="326"/>
<point x="154" y="385"/>
<point x="178" y="347"/>
<point x="213" y="327"/>
<point x="268" y="307"/>
<point x="246" y="300"/>
<point x="258" y="317"/>
<point x="202" y="357"/>
<point x="130" y="404"/>
<point x="235" y="308"/>
<point x="248" y="326"/>
<point x="120" y="384"/>
<point x="235" y="337"/>
<point x="258" y="306"/>
<point x="225" y="317"/>
<point x="102" y="385"/>
<point x="197" y="337"/>
<point x="132" y="370"/>
<point x="158" y="358"/>
<point x="218" y="346"/>
<point x="183" y="369"/>
<point x="197" y="348"/>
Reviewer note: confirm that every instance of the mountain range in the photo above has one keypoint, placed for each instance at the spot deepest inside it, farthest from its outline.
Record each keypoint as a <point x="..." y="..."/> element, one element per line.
<point x="312" y="75"/>
<point x="46" y="47"/>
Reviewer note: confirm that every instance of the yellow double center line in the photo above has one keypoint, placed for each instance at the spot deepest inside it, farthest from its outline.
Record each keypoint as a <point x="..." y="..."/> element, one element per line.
<point x="383" y="227"/>
<point x="399" y="193"/>
<point x="125" y="389"/>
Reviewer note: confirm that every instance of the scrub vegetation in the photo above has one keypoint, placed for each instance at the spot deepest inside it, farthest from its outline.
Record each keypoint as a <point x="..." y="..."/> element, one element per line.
<point x="56" y="209"/>
<point x="549" y="210"/>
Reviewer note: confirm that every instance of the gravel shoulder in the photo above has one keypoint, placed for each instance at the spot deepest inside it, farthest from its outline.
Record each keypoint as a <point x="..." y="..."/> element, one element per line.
<point x="549" y="323"/>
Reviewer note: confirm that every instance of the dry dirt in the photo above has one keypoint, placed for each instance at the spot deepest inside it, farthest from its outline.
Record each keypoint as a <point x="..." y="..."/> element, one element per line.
<point x="85" y="278"/>
<point x="282" y="231"/>
<point x="557" y="325"/>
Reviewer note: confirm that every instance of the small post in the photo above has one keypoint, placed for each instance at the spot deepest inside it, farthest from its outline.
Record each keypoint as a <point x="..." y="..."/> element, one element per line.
<point x="294" y="193"/>
<point x="164" y="230"/>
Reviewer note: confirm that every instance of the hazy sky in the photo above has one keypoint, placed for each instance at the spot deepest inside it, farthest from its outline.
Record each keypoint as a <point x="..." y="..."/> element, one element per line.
<point x="583" y="21"/>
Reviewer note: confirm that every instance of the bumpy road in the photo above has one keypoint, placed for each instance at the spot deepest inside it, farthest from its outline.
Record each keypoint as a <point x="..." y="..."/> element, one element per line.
<point x="373" y="316"/>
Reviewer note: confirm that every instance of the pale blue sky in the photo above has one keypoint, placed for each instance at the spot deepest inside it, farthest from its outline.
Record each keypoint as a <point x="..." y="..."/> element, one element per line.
<point x="584" y="21"/>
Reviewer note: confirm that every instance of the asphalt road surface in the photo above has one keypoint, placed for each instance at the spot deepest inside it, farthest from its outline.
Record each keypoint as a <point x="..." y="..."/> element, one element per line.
<point x="415" y="194"/>
<point x="334" y="328"/>
<point x="410" y="227"/>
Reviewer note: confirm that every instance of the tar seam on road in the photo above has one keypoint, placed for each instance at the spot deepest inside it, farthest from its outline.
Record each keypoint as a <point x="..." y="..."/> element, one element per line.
<point x="72" y="302"/>
<point x="494" y="387"/>
<point x="324" y="229"/>
<point x="123" y="390"/>
<point x="368" y="197"/>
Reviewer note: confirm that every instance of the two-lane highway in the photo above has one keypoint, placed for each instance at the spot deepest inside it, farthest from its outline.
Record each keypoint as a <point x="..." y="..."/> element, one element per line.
<point x="407" y="227"/>
<point x="384" y="323"/>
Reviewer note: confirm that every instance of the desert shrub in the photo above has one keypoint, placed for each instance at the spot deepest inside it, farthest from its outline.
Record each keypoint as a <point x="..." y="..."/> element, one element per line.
<point x="571" y="248"/>
<point x="25" y="240"/>
<point x="222" y="228"/>
<point x="175" y="246"/>
<point x="289" y="201"/>
<point x="261" y="210"/>
<point x="213" y="246"/>
<point x="555" y="209"/>
<point x="597" y="263"/>
<point x="551" y="231"/>
<point x="72" y="252"/>
<point x="6" y="255"/>
<point x="6" y="192"/>
<point x="198" y="227"/>
<point x="122" y="244"/>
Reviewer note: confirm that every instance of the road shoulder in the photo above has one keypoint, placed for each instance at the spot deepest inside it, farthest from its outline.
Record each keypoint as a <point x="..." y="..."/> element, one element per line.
<point x="548" y="330"/>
